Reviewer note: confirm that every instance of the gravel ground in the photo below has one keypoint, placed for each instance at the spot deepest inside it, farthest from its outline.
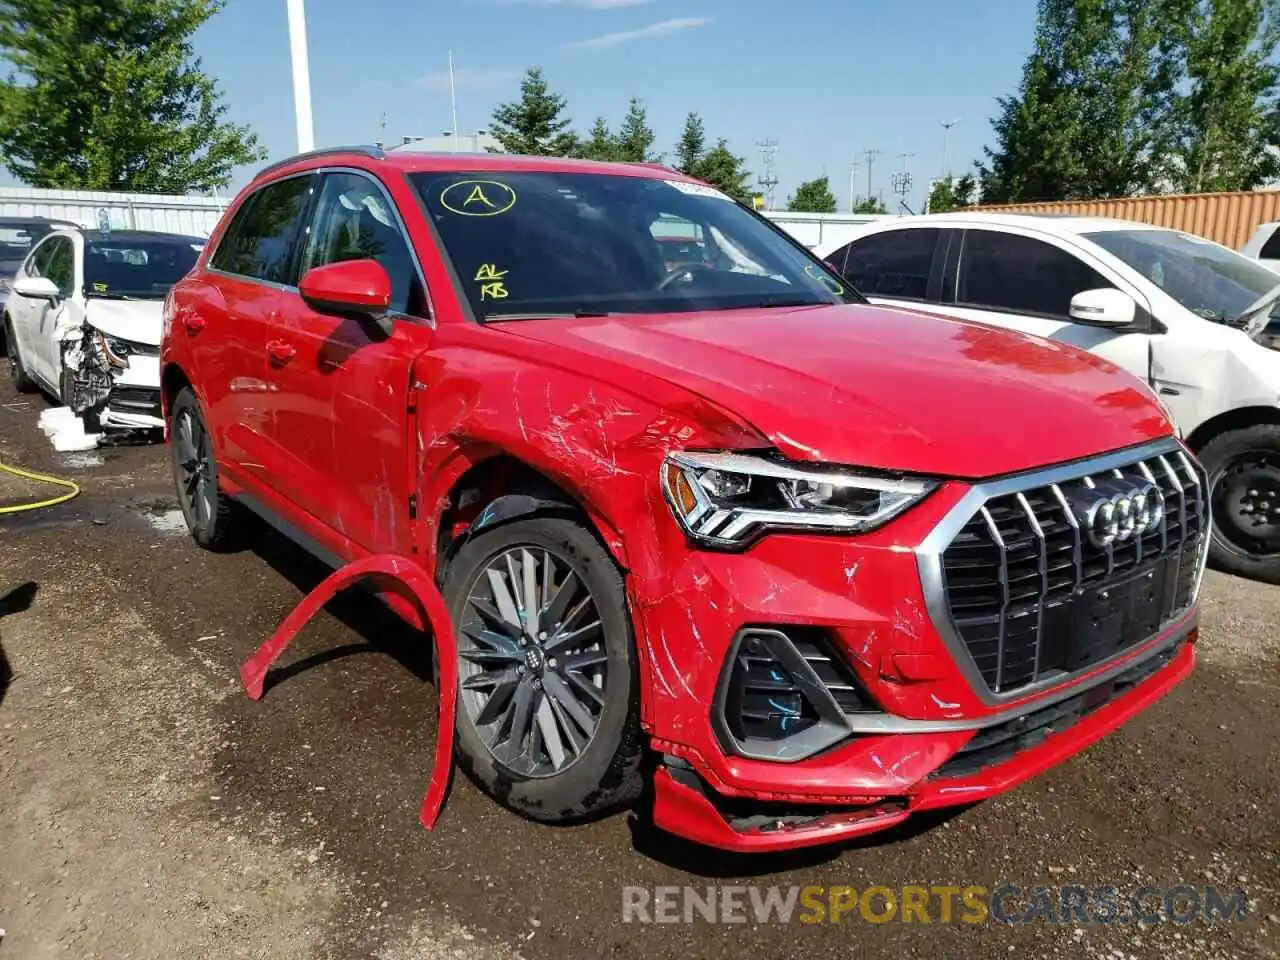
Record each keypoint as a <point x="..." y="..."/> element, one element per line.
<point x="148" y="809"/>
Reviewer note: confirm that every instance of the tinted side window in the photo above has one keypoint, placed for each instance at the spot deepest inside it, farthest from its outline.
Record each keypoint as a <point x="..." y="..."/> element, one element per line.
<point x="1000" y="271"/>
<point x="61" y="268"/>
<point x="355" y="221"/>
<point x="259" y="241"/>
<point x="837" y="258"/>
<point x="892" y="264"/>
<point x="1271" y="249"/>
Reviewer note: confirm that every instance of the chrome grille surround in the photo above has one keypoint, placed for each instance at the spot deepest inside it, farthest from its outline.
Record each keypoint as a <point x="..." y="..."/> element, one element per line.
<point x="1043" y="567"/>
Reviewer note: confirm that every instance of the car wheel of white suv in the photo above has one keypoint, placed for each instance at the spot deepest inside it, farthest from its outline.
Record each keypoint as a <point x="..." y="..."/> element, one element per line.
<point x="1244" y="483"/>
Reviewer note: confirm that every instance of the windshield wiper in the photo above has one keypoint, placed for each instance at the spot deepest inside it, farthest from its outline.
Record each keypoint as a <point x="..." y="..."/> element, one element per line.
<point x="548" y="315"/>
<point x="766" y="303"/>
<point x="1257" y="306"/>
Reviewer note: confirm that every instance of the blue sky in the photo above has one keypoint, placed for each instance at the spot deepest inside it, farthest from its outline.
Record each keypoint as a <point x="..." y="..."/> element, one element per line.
<point x="824" y="79"/>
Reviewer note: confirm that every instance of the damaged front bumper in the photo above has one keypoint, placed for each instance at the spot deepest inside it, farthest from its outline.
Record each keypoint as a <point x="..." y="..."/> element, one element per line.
<point x="111" y="389"/>
<point x="741" y="805"/>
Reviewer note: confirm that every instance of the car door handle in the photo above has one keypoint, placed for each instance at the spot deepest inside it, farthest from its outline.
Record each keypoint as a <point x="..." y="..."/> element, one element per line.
<point x="281" y="352"/>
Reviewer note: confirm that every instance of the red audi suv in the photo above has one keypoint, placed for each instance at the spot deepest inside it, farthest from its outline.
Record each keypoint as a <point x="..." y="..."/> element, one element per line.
<point x="830" y="564"/>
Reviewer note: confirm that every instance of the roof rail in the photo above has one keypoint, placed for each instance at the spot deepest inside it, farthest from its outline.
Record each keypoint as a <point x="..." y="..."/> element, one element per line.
<point x="368" y="150"/>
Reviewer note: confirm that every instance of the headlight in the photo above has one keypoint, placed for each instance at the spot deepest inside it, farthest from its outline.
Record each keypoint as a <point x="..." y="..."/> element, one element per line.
<point x="729" y="499"/>
<point x="118" y="351"/>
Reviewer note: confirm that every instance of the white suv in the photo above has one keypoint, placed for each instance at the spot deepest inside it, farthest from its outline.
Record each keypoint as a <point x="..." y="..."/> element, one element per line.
<point x="83" y="321"/>
<point x="1186" y="315"/>
<point x="1264" y="245"/>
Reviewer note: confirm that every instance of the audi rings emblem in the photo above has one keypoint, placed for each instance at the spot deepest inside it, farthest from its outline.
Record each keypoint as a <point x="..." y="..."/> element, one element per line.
<point x="1114" y="513"/>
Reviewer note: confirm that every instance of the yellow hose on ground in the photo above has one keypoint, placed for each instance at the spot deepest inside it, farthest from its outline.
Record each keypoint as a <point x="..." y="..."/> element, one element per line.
<point x="72" y="488"/>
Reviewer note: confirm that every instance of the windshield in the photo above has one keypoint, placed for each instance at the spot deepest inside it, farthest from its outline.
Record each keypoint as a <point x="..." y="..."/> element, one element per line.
<point x="139" y="267"/>
<point x="1206" y="278"/>
<point x="532" y="244"/>
<point x="17" y="239"/>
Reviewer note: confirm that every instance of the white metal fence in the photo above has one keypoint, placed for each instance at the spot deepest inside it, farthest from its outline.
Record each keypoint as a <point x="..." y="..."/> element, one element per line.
<point x="812" y="229"/>
<point x="194" y="216"/>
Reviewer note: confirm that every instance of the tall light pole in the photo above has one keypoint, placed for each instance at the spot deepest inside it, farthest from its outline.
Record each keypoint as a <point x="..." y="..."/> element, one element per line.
<point x="453" y="97"/>
<point x="301" y="76"/>
<point x="946" y="144"/>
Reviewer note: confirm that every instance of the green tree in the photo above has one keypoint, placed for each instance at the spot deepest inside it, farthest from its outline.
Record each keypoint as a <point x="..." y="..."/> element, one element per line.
<point x="600" y="144"/>
<point x="951" y="193"/>
<point x="724" y="171"/>
<point x="635" y="137"/>
<point x="1087" y="120"/>
<point x="109" y="95"/>
<point x="1226" y="112"/>
<point x="869" y="205"/>
<point x="813" y="196"/>
<point x="535" y="125"/>
<point x="692" y="146"/>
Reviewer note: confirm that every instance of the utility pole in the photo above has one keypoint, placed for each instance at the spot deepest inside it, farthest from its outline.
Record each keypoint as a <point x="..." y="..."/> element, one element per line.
<point x="869" y="156"/>
<point x="382" y="127"/>
<point x="853" y="172"/>
<point x="901" y="180"/>
<point x="946" y="144"/>
<point x="769" y="179"/>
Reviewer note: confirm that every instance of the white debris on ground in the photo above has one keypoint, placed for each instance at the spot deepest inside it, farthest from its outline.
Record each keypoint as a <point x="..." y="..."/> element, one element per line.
<point x="81" y="461"/>
<point x="170" y="523"/>
<point x="66" y="431"/>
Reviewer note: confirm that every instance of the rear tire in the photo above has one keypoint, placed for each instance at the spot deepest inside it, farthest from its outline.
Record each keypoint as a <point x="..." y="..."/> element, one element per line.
<point x="215" y="521"/>
<point x="1244" y="484"/>
<point x="18" y="376"/>
<point x="567" y="670"/>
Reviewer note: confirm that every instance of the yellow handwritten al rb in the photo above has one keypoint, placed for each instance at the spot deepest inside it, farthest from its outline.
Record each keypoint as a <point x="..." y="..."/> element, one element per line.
<point x="490" y="279"/>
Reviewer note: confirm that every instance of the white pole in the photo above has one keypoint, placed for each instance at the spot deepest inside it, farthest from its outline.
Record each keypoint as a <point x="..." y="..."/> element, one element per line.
<point x="301" y="76"/>
<point x="946" y="145"/>
<point x="853" y="170"/>
<point x="453" y="98"/>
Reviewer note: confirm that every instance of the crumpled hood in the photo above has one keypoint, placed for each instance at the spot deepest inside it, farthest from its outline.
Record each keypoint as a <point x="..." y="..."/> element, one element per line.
<point x="881" y="387"/>
<point x="136" y="320"/>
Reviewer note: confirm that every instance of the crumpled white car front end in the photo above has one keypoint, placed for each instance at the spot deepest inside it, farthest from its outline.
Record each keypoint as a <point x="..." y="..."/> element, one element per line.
<point x="112" y="359"/>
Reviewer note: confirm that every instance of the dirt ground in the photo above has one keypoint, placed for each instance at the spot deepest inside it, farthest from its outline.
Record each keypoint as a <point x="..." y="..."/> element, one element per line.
<point x="149" y="810"/>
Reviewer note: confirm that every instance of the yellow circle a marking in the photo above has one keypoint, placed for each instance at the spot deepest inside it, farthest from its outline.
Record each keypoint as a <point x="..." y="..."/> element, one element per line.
<point x="478" y="198"/>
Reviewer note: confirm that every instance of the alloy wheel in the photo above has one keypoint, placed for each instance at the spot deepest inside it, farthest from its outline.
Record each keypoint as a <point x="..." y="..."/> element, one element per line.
<point x="533" y="665"/>
<point x="195" y="466"/>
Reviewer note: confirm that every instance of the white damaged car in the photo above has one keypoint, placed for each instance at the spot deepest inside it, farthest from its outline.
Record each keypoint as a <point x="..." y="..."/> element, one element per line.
<point x="83" y="321"/>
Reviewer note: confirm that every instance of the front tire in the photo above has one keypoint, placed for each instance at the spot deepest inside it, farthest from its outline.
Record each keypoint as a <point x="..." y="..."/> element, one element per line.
<point x="548" y="711"/>
<point x="18" y="375"/>
<point x="214" y="520"/>
<point x="1244" y="484"/>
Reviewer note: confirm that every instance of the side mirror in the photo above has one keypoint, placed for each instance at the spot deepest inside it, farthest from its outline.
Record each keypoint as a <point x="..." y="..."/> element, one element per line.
<point x="353" y="288"/>
<point x="37" y="288"/>
<point x="1105" y="307"/>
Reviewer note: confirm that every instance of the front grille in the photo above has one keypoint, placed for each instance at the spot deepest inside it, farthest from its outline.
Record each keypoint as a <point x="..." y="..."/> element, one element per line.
<point x="1032" y="598"/>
